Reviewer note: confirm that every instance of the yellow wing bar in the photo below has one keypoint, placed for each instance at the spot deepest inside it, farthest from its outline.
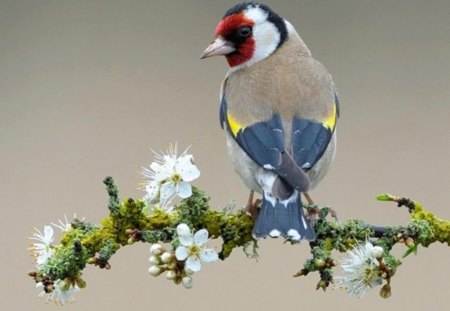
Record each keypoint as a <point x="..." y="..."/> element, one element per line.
<point x="330" y="122"/>
<point x="235" y="126"/>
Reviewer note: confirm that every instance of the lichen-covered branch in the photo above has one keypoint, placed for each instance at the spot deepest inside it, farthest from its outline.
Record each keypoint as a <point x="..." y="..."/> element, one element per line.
<point x="133" y="221"/>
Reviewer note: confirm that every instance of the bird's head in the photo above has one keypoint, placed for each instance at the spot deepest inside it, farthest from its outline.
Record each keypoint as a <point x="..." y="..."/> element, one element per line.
<point x="248" y="33"/>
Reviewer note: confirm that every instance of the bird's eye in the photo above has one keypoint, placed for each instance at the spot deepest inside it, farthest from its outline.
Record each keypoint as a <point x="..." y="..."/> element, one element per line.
<point x="244" y="31"/>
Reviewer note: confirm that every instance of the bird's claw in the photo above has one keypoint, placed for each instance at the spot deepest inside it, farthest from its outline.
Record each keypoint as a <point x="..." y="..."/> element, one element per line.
<point x="252" y="206"/>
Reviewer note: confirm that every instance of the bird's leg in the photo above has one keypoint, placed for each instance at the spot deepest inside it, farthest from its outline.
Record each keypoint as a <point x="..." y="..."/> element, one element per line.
<point x="315" y="211"/>
<point x="308" y="198"/>
<point x="252" y="206"/>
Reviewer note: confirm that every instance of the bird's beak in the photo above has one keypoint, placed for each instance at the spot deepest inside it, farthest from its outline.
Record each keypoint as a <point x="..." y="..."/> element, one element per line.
<point x="220" y="46"/>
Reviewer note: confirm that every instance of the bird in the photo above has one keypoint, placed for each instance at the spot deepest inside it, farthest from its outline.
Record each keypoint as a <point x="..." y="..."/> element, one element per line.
<point x="279" y="108"/>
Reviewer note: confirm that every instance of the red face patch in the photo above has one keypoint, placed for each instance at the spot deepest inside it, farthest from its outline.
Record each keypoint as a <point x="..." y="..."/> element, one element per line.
<point x="229" y="26"/>
<point x="232" y="23"/>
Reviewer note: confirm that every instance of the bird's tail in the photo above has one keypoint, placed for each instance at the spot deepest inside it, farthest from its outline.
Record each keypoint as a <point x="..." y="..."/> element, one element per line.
<point x="282" y="218"/>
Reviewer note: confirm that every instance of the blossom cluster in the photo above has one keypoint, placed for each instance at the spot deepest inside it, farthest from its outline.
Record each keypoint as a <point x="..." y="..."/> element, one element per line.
<point x="169" y="176"/>
<point x="42" y="249"/>
<point x="187" y="259"/>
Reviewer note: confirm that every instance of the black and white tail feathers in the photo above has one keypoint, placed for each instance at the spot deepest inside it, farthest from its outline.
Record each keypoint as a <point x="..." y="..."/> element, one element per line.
<point x="282" y="218"/>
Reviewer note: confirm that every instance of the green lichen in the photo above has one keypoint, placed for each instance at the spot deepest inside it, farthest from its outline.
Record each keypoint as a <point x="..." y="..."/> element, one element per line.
<point x="68" y="261"/>
<point x="391" y="262"/>
<point x="433" y="229"/>
<point x="192" y="210"/>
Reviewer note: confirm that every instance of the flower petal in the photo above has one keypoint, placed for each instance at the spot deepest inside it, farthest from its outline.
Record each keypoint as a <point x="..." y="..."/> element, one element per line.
<point x="186" y="168"/>
<point x="152" y="192"/>
<point x="159" y="172"/>
<point x="201" y="237"/>
<point x="183" y="229"/>
<point x="208" y="255"/>
<point x="184" y="190"/>
<point x="48" y="235"/>
<point x="181" y="253"/>
<point x="167" y="191"/>
<point x="193" y="263"/>
<point x="185" y="235"/>
<point x="368" y="248"/>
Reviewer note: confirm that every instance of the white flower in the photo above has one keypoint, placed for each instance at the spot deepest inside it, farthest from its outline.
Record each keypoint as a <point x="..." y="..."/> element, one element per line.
<point x="192" y="248"/>
<point x="64" y="225"/>
<point x="42" y="248"/>
<point x="169" y="176"/>
<point x="61" y="294"/>
<point x="361" y="269"/>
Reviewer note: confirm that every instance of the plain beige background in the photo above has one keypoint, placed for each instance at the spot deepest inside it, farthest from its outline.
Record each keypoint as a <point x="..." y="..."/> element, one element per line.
<point x="88" y="87"/>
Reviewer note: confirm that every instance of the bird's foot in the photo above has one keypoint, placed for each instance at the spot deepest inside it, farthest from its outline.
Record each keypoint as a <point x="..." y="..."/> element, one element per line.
<point x="252" y="206"/>
<point x="313" y="212"/>
<point x="333" y="214"/>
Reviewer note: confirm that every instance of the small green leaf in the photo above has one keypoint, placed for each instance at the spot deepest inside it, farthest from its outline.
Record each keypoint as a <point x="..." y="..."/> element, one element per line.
<point x="385" y="197"/>
<point x="412" y="249"/>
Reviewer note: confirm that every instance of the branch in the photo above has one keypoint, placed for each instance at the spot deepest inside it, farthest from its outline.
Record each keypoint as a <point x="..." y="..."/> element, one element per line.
<point x="129" y="222"/>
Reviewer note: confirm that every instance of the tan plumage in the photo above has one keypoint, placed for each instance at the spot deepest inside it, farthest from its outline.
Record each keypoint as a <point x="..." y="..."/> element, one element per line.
<point x="253" y="94"/>
<point x="290" y="84"/>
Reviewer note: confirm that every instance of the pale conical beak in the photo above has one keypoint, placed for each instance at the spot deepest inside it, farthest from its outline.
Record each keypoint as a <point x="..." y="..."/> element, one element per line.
<point x="220" y="46"/>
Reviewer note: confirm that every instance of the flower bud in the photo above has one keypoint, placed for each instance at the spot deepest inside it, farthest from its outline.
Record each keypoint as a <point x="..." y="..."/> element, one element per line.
<point x="80" y="283"/>
<point x="410" y="242"/>
<point x="188" y="271"/>
<point x="187" y="282"/>
<point x="322" y="284"/>
<point x="385" y="291"/>
<point x="177" y="281"/>
<point x="33" y="274"/>
<point x="129" y="231"/>
<point x="377" y="252"/>
<point x="172" y="265"/>
<point x="64" y="285"/>
<point x="156" y="249"/>
<point x="154" y="260"/>
<point x="171" y="275"/>
<point x="155" y="270"/>
<point x="319" y="263"/>
<point x="49" y="288"/>
<point x="166" y="257"/>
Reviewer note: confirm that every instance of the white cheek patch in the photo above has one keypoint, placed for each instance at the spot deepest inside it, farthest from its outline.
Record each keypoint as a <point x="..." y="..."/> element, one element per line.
<point x="267" y="37"/>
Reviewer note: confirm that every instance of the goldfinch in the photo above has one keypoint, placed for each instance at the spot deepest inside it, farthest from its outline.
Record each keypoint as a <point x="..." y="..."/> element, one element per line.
<point x="279" y="108"/>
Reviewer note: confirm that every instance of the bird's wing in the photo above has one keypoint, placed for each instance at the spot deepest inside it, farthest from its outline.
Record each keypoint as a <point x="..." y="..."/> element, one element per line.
<point x="310" y="138"/>
<point x="264" y="143"/>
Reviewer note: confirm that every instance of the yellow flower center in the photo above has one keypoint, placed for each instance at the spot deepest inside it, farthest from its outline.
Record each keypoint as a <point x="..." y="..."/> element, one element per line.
<point x="194" y="250"/>
<point x="176" y="178"/>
